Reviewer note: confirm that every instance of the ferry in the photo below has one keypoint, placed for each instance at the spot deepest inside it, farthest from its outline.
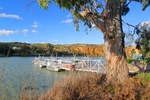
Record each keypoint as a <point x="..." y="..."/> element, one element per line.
<point x="70" y="64"/>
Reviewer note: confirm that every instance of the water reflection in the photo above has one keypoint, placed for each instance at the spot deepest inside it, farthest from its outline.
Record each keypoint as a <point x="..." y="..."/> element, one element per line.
<point x="18" y="73"/>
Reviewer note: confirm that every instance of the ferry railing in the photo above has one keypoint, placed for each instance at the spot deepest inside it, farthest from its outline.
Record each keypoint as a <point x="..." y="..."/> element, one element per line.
<point x="91" y="66"/>
<point x="83" y="64"/>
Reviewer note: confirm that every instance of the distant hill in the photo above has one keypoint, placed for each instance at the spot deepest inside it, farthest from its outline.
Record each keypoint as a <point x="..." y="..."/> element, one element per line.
<point x="26" y="49"/>
<point x="81" y="49"/>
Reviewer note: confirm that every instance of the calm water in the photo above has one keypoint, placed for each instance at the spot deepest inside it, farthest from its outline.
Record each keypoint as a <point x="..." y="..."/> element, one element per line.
<point x="19" y="73"/>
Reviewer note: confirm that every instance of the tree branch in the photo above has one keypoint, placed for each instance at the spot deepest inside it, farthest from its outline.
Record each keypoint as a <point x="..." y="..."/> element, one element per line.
<point x="128" y="3"/>
<point x="136" y="0"/>
<point x="129" y="24"/>
<point x="94" y="18"/>
<point x="28" y="4"/>
<point x="85" y="8"/>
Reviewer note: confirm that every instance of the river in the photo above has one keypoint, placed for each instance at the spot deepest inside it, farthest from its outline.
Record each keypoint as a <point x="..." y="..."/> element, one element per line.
<point x="19" y="73"/>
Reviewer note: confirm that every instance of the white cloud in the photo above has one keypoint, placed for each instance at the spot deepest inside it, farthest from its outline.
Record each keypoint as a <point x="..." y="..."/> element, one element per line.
<point x="3" y="15"/>
<point x="7" y="32"/>
<point x="35" y="25"/>
<point x="25" y="31"/>
<point x="34" y="31"/>
<point x="26" y="42"/>
<point x="43" y="42"/>
<point x="68" y="21"/>
<point x="55" y="40"/>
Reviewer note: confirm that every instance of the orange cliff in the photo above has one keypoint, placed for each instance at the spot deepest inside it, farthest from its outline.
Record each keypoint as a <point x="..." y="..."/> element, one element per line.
<point x="92" y="49"/>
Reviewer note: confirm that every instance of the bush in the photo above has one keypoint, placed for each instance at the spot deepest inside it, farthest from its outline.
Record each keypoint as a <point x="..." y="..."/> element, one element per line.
<point x="90" y="86"/>
<point x="146" y="60"/>
<point x="144" y="78"/>
<point x="129" y="60"/>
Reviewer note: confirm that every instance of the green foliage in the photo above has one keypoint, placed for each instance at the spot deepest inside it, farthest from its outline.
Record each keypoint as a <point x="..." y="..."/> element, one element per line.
<point x="95" y="7"/>
<point x="43" y="49"/>
<point x="146" y="60"/>
<point x="65" y="4"/>
<point x="143" y="40"/>
<point x="75" y="7"/>
<point x="125" y="9"/>
<point x="130" y="60"/>
<point x="5" y="49"/>
<point x="24" y="49"/>
<point x="145" y="4"/>
<point x="111" y="88"/>
<point x="33" y="48"/>
<point x="144" y="77"/>
<point x="44" y="3"/>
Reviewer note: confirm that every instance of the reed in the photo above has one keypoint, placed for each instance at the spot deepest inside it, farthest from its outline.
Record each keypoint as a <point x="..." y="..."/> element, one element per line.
<point x="3" y="87"/>
<point x="29" y="89"/>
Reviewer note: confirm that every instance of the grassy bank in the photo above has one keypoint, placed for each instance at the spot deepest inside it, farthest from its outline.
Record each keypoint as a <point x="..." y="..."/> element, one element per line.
<point x="90" y="86"/>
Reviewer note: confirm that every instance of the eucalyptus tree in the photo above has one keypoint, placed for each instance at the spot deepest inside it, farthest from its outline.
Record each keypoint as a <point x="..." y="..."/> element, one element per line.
<point x="143" y="40"/>
<point x="106" y="16"/>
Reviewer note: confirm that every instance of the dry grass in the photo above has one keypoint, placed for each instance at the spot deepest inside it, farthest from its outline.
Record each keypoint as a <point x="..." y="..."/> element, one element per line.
<point x="29" y="92"/>
<point x="90" y="86"/>
<point x="29" y="88"/>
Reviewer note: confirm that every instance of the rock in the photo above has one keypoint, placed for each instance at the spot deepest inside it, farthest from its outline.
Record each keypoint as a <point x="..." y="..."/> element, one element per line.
<point x="29" y="88"/>
<point x="133" y="69"/>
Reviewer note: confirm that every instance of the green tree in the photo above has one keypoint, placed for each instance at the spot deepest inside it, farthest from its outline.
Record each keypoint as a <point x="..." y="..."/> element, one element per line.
<point x="33" y="48"/>
<point x="4" y="49"/>
<point x="25" y="50"/>
<point x="49" y="48"/>
<point x="39" y="50"/>
<point x="143" y="40"/>
<point x="106" y="15"/>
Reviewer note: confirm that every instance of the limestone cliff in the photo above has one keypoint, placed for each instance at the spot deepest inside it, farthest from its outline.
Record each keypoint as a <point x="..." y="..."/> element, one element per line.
<point x="90" y="49"/>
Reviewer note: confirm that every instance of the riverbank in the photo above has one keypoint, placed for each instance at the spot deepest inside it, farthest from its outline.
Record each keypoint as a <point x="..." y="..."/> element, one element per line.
<point x="15" y="71"/>
<point x="47" y="49"/>
<point x="90" y="86"/>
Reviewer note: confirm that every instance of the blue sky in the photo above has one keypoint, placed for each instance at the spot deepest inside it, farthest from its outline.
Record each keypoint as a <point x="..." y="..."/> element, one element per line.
<point x="22" y="23"/>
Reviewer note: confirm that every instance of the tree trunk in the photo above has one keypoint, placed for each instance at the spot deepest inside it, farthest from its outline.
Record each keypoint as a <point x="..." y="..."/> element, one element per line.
<point x="109" y="22"/>
<point x="117" y="69"/>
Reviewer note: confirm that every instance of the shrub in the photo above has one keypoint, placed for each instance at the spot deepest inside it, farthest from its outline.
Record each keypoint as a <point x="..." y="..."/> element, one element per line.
<point x="90" y="86"/>
<point x="129" y="60"/>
